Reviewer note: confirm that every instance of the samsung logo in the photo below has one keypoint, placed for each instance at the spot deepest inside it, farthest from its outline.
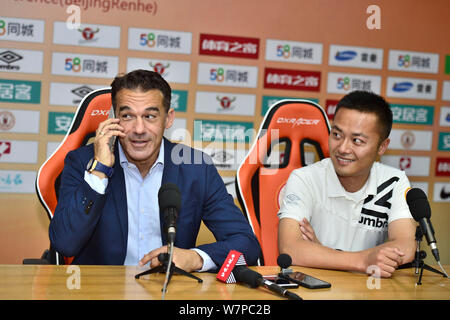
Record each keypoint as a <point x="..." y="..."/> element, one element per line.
<point x="345" y="55"/>
<point x="402" y="86"/>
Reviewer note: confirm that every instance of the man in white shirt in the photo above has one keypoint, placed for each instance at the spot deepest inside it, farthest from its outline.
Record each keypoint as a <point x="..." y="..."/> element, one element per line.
<point x="348" y="212"/>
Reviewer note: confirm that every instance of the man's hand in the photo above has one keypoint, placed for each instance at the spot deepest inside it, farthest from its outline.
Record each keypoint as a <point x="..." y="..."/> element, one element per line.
<point x="386" y="258"/>
<point x="307" y="231"/>
<point x="106" y="130"/>
<point x="185" y="259"/>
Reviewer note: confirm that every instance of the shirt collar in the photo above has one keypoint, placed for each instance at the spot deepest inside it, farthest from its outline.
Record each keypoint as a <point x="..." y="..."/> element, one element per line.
<point x="124" y="161"/>
<point x="335" y="188"/>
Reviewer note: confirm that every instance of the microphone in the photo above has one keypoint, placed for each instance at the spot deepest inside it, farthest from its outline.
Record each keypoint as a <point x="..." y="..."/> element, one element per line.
<point x="284" y="261"/>
<point x="234" y="269"/>
<point x="234" y="258"/>
<point x="169" y="199"/>
<point x="254" y="279"/>
<point x="421" y="212"/>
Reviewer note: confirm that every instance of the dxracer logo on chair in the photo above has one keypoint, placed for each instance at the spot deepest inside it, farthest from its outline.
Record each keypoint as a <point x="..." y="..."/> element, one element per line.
<point x="298" y="121"/>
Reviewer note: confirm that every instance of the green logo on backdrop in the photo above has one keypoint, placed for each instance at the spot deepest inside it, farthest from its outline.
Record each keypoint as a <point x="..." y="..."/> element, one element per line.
<point x="59" y="122"/>
<point x="403" y="113"/>
<point x="447" y="64"/>
<point x="20" y="91"/>
<point x="444" y="141"/>
<point x="227" y="131"/>
<point x="179" y="100"/>
<point x="268" y="101"/>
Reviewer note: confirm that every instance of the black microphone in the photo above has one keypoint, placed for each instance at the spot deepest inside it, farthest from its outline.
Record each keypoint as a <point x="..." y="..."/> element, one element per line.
<point x="169" y="198"/>
<point x="284" y="261"/>
<point x="254" y="280"/>
<point x="421" y="212"/>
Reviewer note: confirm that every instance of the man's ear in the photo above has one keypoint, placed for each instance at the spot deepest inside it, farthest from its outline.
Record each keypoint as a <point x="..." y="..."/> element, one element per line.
<point x="383" y="146"/>
<point x="170" y="118"/>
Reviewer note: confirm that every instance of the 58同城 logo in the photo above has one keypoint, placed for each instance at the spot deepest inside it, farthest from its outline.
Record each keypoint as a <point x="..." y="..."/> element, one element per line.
<point x="2" y="27"/>
<point x="404" y="60"/>
<point x="417" y="61"/>
<point x="343" y="83"/>
<point x="76" y="64"/>
<point x="284" y="51"/>
<point x="160" y="40"/>
<point x="217" y="74"/>
<point x="147" y="39"/>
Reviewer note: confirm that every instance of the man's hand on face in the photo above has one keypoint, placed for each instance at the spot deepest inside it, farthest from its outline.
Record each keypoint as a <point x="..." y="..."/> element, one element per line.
<point x="106" y="131"/>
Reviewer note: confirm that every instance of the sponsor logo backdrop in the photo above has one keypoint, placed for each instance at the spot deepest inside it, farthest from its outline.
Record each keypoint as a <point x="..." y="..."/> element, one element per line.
<point x="226" y="66"/>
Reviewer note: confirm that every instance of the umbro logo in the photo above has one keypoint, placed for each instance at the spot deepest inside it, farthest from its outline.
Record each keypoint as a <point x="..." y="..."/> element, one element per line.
<point x="375" y="222"/>
<point x="221" y="156"/>
<point x="80" y="92"/>
<point x="10" y="57"/>
<point x="374" y="212"/>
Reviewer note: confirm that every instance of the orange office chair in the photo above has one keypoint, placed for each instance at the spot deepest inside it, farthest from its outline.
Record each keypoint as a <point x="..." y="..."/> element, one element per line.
<point x="93" y="109"/>
<point x="298" y="125"/>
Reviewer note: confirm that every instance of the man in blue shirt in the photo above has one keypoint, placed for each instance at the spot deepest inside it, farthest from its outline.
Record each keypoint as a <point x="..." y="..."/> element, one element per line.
<point x="108" y="211"/>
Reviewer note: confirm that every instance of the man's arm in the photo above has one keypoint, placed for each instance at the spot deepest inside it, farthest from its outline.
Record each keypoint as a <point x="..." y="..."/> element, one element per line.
<point x="401" y="234"/>
<point x="227" y="223"/>
<point x="78" y="209"/>
<point x="399" y="249"/>
<point x="311" y="254"/>
<point x="216" y="208"/>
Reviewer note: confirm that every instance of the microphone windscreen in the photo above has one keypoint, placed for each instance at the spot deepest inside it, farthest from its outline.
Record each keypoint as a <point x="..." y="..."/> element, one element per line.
<point x="234" y="259"/>
<point x="284" y="260"/>
<point x="418" y="204"/>
<point x="246" y="275"/>
<point x="169" y="196"/>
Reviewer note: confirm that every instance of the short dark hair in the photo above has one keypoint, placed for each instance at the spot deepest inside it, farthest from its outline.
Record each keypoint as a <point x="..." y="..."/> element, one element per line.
<point x="369" y="102"/>
<point x="144" y="80"/>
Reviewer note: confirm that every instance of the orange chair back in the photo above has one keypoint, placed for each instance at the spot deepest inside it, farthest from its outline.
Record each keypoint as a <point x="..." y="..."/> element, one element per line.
<point x="260" y="185"/>
<point x="93" y="109"/>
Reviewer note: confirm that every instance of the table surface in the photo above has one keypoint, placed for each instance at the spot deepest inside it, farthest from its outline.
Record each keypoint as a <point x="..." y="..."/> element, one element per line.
<point x="49" y="282"/>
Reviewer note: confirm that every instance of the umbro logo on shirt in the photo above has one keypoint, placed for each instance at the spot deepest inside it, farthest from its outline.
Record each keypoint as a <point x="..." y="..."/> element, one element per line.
<point x="372" y="222"/>
<point x="374" y="212"/>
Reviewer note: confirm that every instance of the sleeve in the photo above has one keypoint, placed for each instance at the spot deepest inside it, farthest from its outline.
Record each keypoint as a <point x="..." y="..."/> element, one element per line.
<point x="227" y="223"/>
<point x="78" y="210"/>
<point x="400" y="208"/>
<point x="208" y="263"/>
<point x="96" y="183"/>
<point x="297" y="200"/>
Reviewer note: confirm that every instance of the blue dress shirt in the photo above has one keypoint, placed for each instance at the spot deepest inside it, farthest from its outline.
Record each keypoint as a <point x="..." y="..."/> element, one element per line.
<point x="144" y="233"/>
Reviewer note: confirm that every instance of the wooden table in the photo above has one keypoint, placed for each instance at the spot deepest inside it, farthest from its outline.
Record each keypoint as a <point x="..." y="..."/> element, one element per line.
<point x="45" y="282"/>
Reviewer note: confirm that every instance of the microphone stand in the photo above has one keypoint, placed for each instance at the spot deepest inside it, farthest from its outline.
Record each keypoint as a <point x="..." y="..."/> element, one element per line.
<point x="168" y="274"/>
<point x="418" y="259"/>
<point x="167" y="266"/>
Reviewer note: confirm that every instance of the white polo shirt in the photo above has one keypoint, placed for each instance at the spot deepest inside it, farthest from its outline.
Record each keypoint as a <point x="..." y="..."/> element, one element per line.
<point x="343" y="220"/>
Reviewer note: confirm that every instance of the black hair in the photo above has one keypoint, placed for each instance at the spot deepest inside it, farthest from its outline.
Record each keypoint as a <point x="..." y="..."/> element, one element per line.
<point x="143" y="80"/>
<point x="369" y="102"/>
